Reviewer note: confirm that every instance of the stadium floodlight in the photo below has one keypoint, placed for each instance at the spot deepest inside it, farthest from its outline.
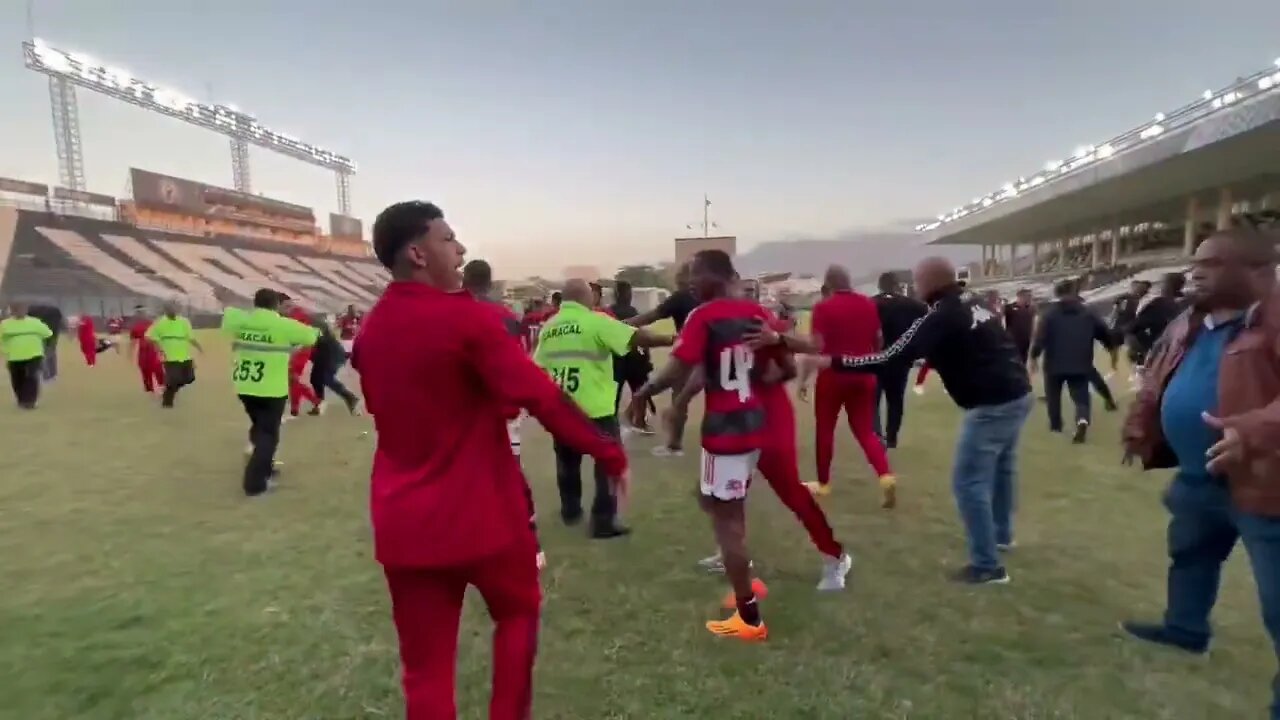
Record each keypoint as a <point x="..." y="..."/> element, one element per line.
<point x="1209" y="103"/>
<point x="82" y="70"/>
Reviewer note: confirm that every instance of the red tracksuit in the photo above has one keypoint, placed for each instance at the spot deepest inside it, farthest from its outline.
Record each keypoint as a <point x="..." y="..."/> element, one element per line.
<point x="88" y="340"/>
<point x="299" y="389"/>
<point x="149" y="364"/>
<point x="779" y="464"/>
<point x="849" y="324"/>
<point x="447" y="499"/>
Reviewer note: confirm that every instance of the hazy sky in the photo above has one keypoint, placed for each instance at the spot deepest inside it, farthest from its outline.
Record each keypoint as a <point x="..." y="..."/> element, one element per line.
<point x="586" y="131"/>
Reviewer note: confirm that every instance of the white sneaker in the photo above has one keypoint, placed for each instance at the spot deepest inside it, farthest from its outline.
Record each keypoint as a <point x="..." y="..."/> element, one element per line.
<point x="663" y="451"/>
<point x="714" y="564"/>
<point x="917" y="389"/>
<point x="834" y="572"/>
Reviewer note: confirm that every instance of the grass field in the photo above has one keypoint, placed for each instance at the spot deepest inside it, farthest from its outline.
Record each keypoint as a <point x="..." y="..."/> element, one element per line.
<point x="137" y="583"/>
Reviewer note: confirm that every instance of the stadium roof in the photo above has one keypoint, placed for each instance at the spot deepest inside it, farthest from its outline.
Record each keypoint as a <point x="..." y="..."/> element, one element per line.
<point x="1230" y="138"/>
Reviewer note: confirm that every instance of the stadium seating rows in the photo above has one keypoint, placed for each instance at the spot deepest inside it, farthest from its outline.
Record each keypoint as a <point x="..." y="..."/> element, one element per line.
<point x="102" y="268"/>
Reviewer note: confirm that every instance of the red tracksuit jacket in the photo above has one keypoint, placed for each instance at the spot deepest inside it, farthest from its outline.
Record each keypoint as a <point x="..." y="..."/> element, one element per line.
<point x="438" y="371"/>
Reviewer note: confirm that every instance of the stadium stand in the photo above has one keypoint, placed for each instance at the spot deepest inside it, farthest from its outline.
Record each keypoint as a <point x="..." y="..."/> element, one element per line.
<point x="175" y="240"/>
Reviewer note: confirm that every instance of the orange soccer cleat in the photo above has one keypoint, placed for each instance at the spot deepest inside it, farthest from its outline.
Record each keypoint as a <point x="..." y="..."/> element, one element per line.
<point x="889" y="491"/>
<point x="757" y="586"/>
<point x="736" y="627"/>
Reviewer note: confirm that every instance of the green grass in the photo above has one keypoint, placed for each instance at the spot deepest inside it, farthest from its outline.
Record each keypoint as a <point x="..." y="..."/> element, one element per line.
<point x="137" y="583"/>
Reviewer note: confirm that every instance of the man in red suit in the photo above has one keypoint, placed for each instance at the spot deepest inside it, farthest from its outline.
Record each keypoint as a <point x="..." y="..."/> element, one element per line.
<point x="848" y="323"/>
<point x="144" y="351"/>
<point x="298" y="389"/>
<point x="88" y="338"/>
<point x="439" y="373"/>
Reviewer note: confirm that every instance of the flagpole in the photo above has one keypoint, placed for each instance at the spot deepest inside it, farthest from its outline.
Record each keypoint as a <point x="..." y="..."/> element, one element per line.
<point x="706" y="207"/>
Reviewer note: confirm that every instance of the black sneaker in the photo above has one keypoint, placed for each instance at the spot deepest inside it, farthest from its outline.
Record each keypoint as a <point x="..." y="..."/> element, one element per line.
<point x="1159" y="634"/>
<point x="970" y="575"/>
<point x="571" y="519"/>
<point x="1082" y="432"/>
<point x="608" y="531"/>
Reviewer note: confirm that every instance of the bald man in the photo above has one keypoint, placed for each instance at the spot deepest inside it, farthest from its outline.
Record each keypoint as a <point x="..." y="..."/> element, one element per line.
<point x="577" y="348"/>
<point x="847" y="322"/>
<point x="983" y="373"/>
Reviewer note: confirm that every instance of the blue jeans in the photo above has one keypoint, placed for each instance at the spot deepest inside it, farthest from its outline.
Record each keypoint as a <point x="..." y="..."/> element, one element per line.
<point x="1203" y="529"/>
<point x="984" y="476"/>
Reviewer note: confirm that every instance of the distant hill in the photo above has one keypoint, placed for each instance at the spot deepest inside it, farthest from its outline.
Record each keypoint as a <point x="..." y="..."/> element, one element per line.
<point x="864" y="253"/>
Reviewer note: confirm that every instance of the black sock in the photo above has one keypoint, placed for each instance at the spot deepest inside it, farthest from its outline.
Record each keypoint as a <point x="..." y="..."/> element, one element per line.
<point x="749" y="611"/>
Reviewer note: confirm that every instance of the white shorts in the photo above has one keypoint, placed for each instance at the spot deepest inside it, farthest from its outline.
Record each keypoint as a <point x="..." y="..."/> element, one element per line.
<point x="513" y="434"/>
<point x="726" y="477"/>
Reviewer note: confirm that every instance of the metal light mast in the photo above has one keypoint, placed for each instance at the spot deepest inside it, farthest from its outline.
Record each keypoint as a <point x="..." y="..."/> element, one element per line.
<point x="66" y="133"/>
<point x="66" y="70"/>
<point x="240" y="165"/>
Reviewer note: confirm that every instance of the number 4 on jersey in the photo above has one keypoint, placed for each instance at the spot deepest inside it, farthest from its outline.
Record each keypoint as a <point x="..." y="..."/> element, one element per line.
<point x="735" y="370"/>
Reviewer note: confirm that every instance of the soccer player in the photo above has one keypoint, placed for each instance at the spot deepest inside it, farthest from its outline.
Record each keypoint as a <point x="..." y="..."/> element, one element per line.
<point x="262" y="342"/>
<point x="477" y="279"/>
<point x="88" y="340"/>
<point x="447" y="500"/>
<point x="174" y="338"/>
<point x="713" y="337"/>
<point x="577" y="348"/>
<point x="348" y="326"/>
<point x="141" y="348"/>
<point x="23" y="339"/>
<point x="847" y="323"/>
<point x="298" y="390"/>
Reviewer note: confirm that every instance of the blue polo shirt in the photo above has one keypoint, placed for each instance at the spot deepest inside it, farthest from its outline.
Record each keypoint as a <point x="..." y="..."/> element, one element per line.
<point x="1193" y="390"/>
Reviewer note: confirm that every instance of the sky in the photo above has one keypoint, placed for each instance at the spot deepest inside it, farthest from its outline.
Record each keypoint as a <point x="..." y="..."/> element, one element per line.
<point x="572" y="132"/>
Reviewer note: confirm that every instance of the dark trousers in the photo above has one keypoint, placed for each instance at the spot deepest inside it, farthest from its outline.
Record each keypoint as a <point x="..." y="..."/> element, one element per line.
<point x="177" y="375"/>
<point x="1077" y="388"/>
<point x="1203" y="530"/>
<point x="892" y="392"/>
<point x="265" y="415"/>
<point x="49" y="364"/>
<point x="24" y="376"/>
<point x="1100" y="386"/>
<point x="569" y="480"/>
<point x="324" y="375"/>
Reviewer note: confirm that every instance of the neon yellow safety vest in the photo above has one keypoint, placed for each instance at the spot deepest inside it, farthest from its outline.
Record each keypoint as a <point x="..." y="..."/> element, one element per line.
<point x="262" y="341"/>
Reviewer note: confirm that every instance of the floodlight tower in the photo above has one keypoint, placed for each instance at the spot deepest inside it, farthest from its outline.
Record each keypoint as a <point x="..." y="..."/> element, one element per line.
<point x="66" y="70"/>
<point x="66" y="132"/>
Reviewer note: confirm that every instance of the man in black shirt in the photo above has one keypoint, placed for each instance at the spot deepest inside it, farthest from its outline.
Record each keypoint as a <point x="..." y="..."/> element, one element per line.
<point x="1020" y="321"/>
<point x="1065" y="338"/>
<point x="677" y="306"/>
<point x="630" y="370"/>
<point x="50" y="315"/>
<point x="1123" y="315"/>
<point x="897" y="313"/>
<point x="979" y="365"/>
<point x="1156" y="315"/>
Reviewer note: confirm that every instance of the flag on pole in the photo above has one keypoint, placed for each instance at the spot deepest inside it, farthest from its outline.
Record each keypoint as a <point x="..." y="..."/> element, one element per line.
<point x="706" y="202"/>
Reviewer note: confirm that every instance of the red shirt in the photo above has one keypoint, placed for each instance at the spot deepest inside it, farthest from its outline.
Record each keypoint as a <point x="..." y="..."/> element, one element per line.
<point x="138" y="333"/>
<point x="347" y="326"/>
<point x="848" y="323"/>
<point x="438" y="371"/>
<point x="85" y="331"/>
<point x="734" y="421"/>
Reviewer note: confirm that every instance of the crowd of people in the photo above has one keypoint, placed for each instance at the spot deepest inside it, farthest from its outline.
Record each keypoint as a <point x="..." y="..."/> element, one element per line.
<point x="451" y="507"/>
